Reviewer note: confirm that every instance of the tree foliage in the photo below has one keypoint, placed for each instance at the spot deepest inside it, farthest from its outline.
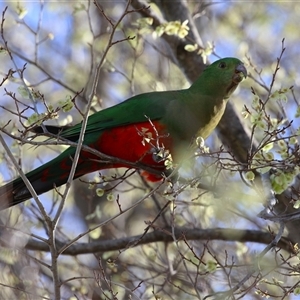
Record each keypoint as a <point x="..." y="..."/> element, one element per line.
<point x="228" y="229"/>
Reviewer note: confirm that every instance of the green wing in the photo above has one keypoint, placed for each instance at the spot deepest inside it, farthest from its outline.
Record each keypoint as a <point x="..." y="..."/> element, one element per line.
<point x="134" y="110"/>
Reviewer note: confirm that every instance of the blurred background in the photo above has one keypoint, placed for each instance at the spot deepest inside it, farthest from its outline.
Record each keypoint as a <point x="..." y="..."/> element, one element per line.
<point x="54" y="48"/>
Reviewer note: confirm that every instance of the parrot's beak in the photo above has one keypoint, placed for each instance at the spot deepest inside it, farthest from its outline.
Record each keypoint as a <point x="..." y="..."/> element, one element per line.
<point x="240" y="74"/>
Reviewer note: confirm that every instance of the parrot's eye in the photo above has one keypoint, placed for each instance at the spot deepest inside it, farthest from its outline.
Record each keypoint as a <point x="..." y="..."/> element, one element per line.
<point x="222" y="65"/>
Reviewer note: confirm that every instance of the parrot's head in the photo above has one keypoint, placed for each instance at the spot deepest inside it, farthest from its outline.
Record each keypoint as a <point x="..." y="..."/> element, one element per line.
<point x="222" y="77"/>
<point x="231" y="71"/>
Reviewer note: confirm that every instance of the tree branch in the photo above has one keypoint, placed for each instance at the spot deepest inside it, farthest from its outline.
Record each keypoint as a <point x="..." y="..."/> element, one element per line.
<point x="165" y="235"/>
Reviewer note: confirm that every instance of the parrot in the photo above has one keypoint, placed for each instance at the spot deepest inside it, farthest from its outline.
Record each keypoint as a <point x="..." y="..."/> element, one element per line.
<point x="141" y="131"/>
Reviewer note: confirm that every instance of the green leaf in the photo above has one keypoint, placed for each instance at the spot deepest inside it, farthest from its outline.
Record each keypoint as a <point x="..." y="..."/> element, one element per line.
<point x="297" y="204"/>
<point x="110" y="197"/>
<point x="23" y="91"/>
<point x="100" y="192"/>
<point x="36" y="119"/>
<point x="190" y="47"/>
<point x="144" y="21"/>
<point x="297" y="291"/>
<point x="280" y="95"/>
<point x="173" y="28"/>
<point x="21" y="11"/>
<point x="250" y="176"/>
<point x="297" y="115"/>
<point x="293" y="140"/>
<point x="79" y="7"/>
<point x="66" y="104"/>
<point x="211" y="266"/>
<point x="268" y="147"/>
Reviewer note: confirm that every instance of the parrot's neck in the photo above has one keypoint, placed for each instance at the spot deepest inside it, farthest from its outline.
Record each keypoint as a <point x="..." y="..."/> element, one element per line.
<point x="211" y="89"/>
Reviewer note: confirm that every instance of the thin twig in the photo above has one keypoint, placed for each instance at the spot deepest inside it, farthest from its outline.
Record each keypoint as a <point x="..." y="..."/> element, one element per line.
<point x="255" y="268"/>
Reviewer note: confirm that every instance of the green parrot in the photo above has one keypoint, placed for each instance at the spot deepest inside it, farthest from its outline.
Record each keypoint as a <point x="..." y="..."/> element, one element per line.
<point x="138" y="131"/>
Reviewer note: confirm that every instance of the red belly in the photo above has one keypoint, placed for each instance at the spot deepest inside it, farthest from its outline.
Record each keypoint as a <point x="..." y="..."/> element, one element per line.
<point x="133" y="143"/>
